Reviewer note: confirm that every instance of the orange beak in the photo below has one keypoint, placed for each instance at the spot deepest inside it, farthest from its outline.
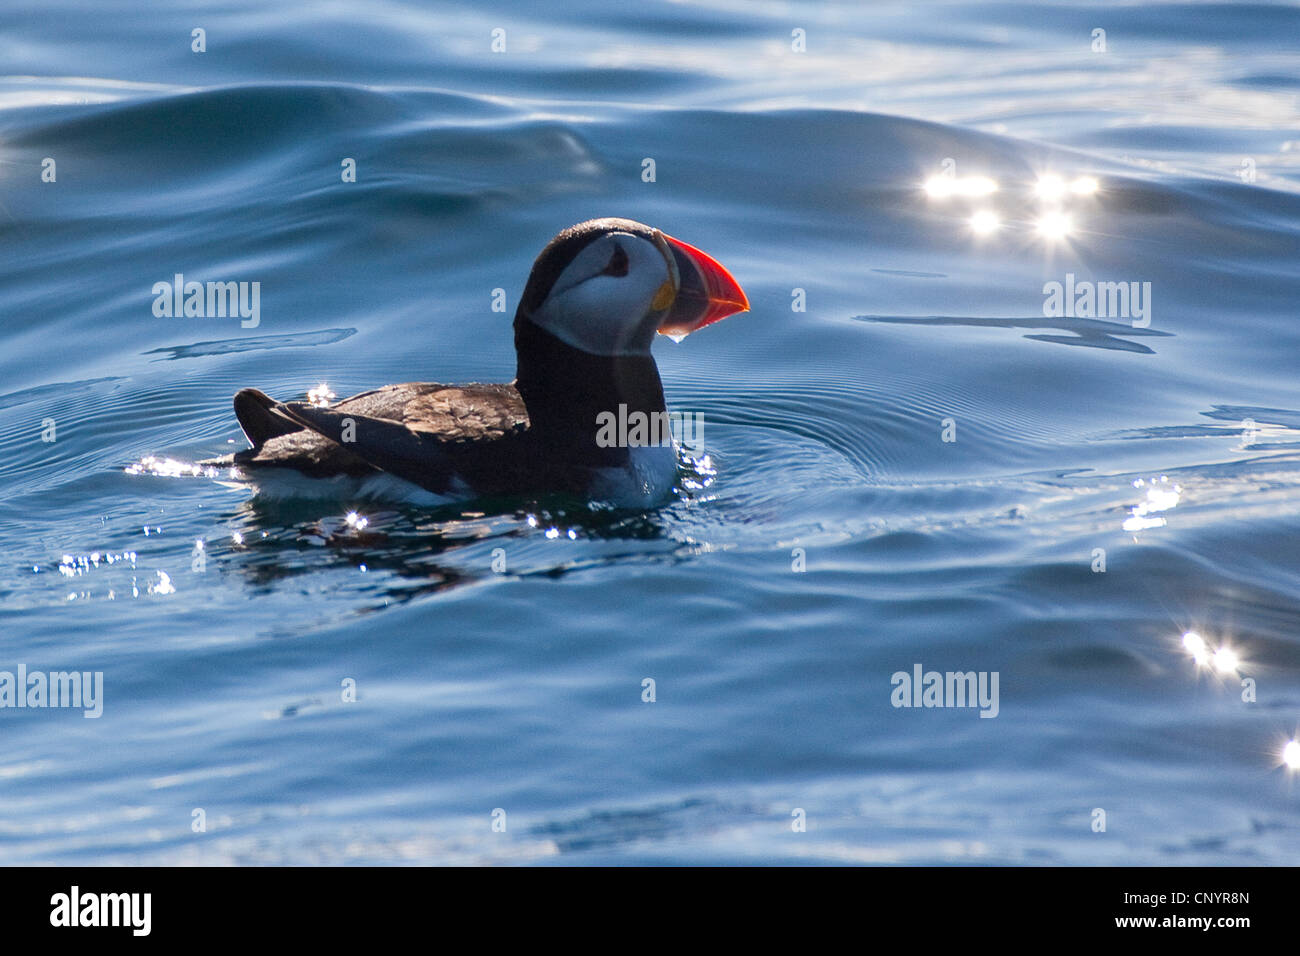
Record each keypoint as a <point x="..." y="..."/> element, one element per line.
<point x="707" y="294"/>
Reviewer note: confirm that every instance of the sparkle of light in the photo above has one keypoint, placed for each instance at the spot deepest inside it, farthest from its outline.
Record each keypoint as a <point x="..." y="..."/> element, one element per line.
<point x="985" y="222"/>
<point x="168" y="468"/>
<point x="1291" y="754"/>
<point x="1160" y="496"/>
<point x="1195" y="645"/>
<point x="1049" y="187"/>
<point x="1054" y="225"/>
<point x="355" y="520"/>
<point x="321" y="395"/>
<point x="1226" y="660"/>
<point x="939" y="187"/>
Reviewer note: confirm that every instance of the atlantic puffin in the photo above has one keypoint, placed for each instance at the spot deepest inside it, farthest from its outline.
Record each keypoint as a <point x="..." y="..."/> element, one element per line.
<point x="596" y="297"/>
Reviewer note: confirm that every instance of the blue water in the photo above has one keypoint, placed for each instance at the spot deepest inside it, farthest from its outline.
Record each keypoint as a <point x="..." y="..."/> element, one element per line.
<point x="1173" y="447"/>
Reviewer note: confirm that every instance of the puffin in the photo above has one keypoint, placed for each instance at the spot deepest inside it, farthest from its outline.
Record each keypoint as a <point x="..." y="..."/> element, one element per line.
<point x="597" y="296"/>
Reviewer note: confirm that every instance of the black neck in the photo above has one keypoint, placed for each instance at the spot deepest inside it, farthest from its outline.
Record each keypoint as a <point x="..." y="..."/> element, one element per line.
<point x="565" y="388"/>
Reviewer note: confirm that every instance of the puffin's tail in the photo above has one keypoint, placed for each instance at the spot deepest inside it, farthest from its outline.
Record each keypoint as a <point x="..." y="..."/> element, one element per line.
<point x="260" y="417"/>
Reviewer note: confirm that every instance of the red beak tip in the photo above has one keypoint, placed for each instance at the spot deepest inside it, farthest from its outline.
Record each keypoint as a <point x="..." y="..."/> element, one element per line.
<point x="725" y="296"/>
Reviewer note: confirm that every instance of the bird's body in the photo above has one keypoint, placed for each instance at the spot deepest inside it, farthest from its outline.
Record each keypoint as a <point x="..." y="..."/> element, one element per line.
<point x="582" y="338"/>
<point x="477" y="428"/>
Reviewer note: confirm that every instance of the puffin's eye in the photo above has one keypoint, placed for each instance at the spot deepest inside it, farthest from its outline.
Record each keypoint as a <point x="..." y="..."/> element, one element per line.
<point x="617" y="265"/>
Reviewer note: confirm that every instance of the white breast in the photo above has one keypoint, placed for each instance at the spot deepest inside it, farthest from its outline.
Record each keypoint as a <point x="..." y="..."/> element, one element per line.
<point x="648" y="479"/>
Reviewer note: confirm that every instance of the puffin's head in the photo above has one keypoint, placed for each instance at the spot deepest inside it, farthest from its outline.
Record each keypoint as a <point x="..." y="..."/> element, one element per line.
<point x="606" y="286"/>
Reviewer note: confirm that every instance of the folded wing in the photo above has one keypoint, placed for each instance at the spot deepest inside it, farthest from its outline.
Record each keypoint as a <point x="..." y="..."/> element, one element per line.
<point x="429" y="434"/>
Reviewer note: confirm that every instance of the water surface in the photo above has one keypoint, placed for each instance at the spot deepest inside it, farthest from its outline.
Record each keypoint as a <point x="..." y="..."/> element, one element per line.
<point x="1172" y="447"/>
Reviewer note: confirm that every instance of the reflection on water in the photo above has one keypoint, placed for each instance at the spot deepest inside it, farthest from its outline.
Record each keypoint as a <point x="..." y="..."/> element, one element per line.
<point x="1052" y="224"/>
<point x="1090" y="333"/>
<point x="170" y="468"/>
<point x="256" y="343"/>
<point x="1161" y="495"/>
<point x="985" y="222"/>
<point x="1291" y="755"/>
<point x="1195" y="645"/>
<point x="1223" y="659"/>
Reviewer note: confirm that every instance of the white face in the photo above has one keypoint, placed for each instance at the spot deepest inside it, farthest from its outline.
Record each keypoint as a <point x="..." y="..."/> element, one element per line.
<point x="609" y="299"/>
